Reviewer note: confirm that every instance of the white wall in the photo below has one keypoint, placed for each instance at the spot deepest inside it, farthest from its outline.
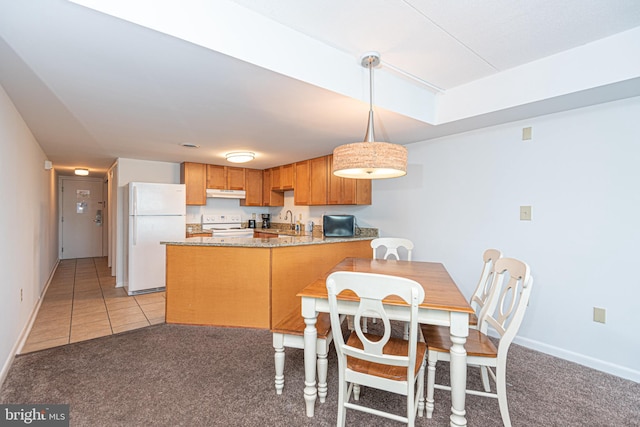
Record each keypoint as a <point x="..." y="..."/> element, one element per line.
<point x="131" y="170"/>
<point x="28" y="226"/>
<point x="580" y="174"/>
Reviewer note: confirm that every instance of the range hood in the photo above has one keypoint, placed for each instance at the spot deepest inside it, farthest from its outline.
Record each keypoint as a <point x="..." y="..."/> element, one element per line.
<point x="226" y="194"/>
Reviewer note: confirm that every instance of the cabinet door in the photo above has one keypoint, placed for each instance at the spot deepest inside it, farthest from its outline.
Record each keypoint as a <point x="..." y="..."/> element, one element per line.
<point x="253" y="187"/>
<point x="334" y="184"/>
<point x="287" y="177"/>
<point x="275" y="178"/>
<point x="216" y="177"/>
<point x="270" y="197"/>
<point x="317" y="181"/>
<point x="363" y="191"/>
<point x="235" y="178"/>
<point x="301" y="194"/>
<point x="266" y="186"/>
<point x="347" y="191"/>
<point x="194" y="176"/>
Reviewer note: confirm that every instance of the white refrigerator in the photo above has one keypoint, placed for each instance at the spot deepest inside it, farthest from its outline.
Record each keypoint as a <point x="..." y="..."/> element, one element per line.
<point x="156" y="213"/>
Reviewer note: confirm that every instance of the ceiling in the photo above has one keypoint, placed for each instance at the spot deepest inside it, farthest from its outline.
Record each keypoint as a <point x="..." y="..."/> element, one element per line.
<point x="283" y="78"/>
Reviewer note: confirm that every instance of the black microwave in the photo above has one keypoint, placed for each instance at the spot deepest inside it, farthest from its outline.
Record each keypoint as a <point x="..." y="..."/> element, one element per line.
<point x="339" y="225"/>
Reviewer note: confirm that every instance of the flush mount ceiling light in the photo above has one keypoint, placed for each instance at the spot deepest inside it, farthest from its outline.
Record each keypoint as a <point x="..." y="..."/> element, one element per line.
<point x="240" y="156"/>
<point x="370" y="159"/>
<point x="81" y="171"/>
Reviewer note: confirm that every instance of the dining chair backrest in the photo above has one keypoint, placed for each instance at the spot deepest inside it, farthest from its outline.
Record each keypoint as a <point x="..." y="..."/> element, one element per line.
<point x="508" y="301"/>
<point x="483" y="289"/>
<point x="371" y="289"/>
<point x="392" y="244"/>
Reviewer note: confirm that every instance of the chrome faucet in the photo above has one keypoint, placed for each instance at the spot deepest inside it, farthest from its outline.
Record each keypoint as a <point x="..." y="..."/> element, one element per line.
<point x="286" y="215"/>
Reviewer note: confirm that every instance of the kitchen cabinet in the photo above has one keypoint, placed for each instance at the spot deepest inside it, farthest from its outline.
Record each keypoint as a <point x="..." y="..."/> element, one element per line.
<point x="225" y="177"/>
<point x="260" y="235"/>
<point x="269" y="196"/>
<point x="346" y="191"/>
<point x="253" y="188"/>
<point x="301" y="194"/>
<point x="282" y="177"/>
<point x="194" y="176"/>
<point x="199" y="234"/>
<point x="311" y="182"/>
<point x="318" y="181"/>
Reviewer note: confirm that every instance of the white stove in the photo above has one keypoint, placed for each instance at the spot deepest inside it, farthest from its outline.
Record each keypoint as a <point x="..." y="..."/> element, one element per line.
<point x="225" y="226"/>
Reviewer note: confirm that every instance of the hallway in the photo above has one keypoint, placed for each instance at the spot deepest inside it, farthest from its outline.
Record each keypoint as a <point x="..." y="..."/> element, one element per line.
<point x="82" y="303"/>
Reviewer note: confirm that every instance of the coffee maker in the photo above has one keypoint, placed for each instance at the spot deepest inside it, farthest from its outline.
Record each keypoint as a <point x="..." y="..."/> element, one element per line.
<point x="266" y="220"/>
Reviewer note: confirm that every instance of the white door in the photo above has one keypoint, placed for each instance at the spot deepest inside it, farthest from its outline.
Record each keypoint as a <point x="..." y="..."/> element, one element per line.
<point x="81" y="217"/>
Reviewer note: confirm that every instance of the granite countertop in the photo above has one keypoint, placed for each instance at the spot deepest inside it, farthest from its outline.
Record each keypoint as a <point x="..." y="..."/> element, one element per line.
<point x="274" y="242"/>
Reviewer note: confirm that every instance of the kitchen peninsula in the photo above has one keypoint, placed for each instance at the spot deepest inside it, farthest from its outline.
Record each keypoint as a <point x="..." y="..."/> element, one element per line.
<point x="247" y="282"/>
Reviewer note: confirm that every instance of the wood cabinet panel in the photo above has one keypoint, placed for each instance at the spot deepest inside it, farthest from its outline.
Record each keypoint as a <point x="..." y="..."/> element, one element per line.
<point x="269" y="196"/>
<point x="213" y="286"/>
<point x="301" y="194"/>
<point x="287" y="177"/>
<point x="235" y="178"/>
<point x="216" y="177"/>
<point x="318" y="181"/>
<point x="225" y="177"/>
<point x="253" y="187"/>
<point x="194" y="176"/>
<point x="346" y="191"/>
<point x="259" y="235"/>
<point x="294" y="267"/>
<point x="275" y="178"/>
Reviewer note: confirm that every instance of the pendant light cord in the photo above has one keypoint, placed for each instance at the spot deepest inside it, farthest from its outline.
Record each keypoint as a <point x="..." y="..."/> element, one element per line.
<point x="370" y="135"/>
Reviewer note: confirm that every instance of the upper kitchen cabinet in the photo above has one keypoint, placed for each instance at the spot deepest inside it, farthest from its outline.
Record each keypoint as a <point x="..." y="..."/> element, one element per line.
<point x="253" y="186"/>
<point x="301" y="195"/>
<point x="311" y="182"/>
<point x="282" y="177"/>
<point x="194" y="176"/>
<point x="346" y="191"/>
<point x="225" y="177"/>
<point x="269" y="196"/>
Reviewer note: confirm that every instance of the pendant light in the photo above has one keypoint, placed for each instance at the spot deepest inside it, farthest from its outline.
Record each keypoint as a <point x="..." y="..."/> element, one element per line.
<point x="370" y="159"/>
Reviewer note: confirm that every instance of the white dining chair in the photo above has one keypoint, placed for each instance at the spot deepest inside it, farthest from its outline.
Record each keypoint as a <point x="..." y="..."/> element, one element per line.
<point x="391" y="246"/>
<point x="504" y="311"/>
<point x="478" y="301"/>
<point x="382" y="362"/>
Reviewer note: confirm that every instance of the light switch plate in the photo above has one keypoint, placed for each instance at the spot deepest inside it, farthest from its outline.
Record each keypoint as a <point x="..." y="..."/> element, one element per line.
<point x="599" y="314"/>
<point x="525" y="213"/>
<point x="526" y="133"/>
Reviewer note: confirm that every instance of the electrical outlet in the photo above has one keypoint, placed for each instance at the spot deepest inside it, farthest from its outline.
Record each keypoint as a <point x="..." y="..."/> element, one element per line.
<point x="526" y="133"/>
<point x="525" y="213"/>
<point x="599" y="315"/>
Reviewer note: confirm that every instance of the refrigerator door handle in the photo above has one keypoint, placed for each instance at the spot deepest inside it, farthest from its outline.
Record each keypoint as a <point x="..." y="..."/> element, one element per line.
<point x="135" y="200"/>
<point x="135" y="230"/>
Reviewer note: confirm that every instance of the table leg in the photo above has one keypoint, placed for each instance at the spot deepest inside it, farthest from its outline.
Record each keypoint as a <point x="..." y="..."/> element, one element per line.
<point x="458" y="366"/>
<point x="310" y="336"/>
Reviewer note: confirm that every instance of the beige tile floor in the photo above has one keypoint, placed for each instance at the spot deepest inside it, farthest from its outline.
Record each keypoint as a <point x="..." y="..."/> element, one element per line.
<point x="82" y="303"/>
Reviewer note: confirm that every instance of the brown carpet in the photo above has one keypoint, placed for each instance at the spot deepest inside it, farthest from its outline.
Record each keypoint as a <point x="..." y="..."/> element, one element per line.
<point x="170" y="375"/>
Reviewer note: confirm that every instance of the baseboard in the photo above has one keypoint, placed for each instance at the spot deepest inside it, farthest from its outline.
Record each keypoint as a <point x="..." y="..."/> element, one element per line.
<point x="581" y="359"/>
<point x="22" y="338"/>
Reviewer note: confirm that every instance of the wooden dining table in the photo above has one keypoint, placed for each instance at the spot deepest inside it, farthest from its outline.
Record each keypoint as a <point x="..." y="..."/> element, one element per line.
<point x="443" y="304"/>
